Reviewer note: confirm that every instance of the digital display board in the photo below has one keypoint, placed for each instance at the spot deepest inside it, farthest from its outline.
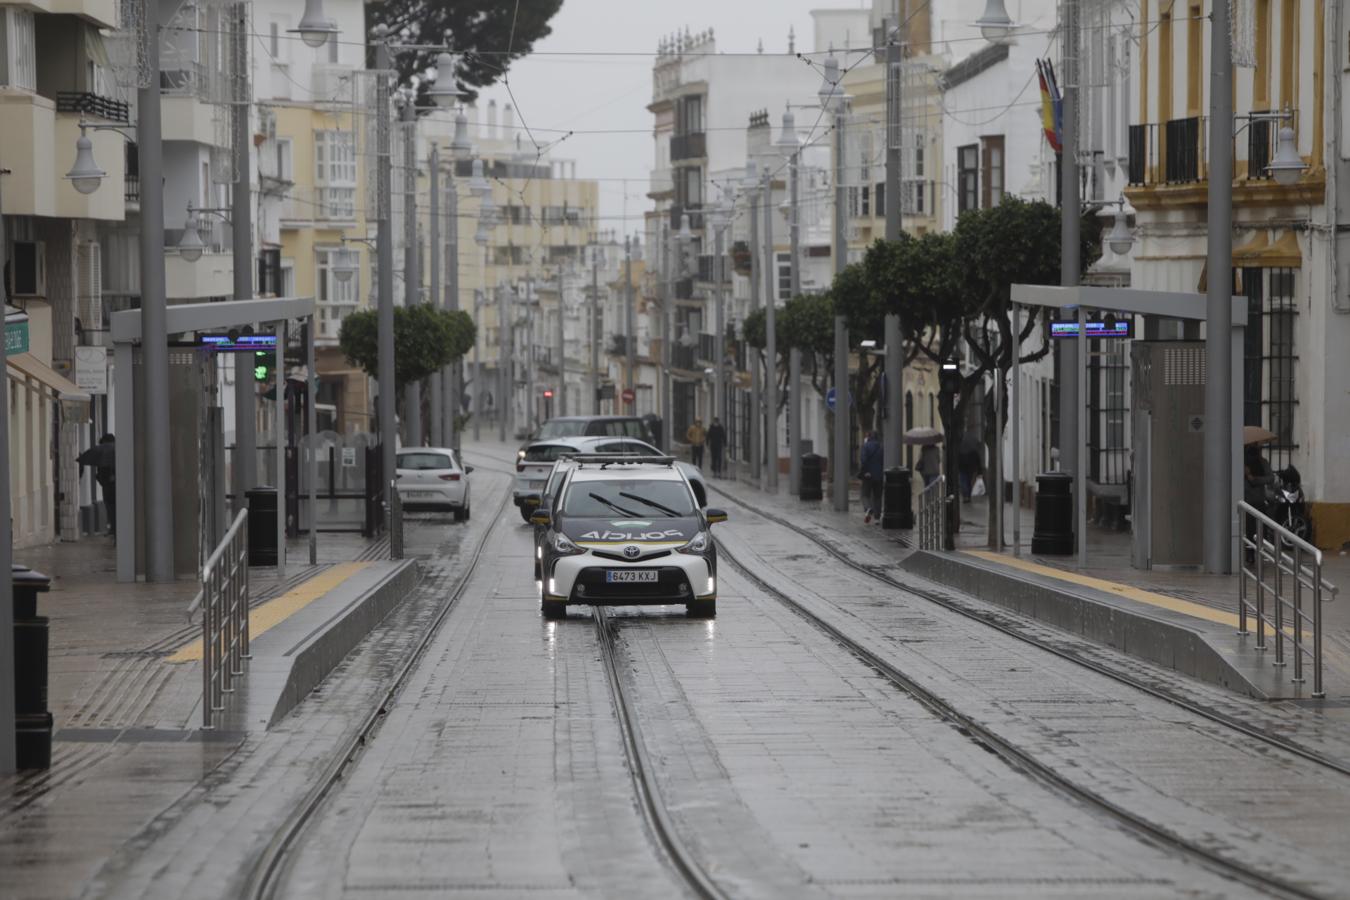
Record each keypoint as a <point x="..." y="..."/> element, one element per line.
<point x="223" y="343"/>
<point x="1120" y="328"/>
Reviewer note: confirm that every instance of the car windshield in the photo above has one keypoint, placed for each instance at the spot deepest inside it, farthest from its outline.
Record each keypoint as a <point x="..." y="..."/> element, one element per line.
<point x="415" y="461"/>
<point x="556" y="428"/>
<point x="637" y="498"/>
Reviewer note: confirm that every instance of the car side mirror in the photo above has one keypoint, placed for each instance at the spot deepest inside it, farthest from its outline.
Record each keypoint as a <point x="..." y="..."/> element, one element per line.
<point x="532" y="500"/>
<point x="468" y="469"/>
<point x="715" y="515"/>
<point x="541" y="516"/>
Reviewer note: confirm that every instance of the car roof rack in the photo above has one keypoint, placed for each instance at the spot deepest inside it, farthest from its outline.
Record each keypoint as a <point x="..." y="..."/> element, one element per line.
<point x="606" y="459"/>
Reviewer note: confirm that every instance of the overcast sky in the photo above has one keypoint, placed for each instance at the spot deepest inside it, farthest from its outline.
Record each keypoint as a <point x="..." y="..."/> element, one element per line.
<point x="564" y="92"/>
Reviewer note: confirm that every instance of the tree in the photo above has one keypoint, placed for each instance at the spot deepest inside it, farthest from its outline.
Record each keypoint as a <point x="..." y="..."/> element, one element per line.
<point x="505" y="31"/>
<point x="426" y="340"/>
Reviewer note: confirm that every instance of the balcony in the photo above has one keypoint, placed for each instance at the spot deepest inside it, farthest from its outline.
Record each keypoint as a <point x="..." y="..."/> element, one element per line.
<point x="707" y="349"/>
<point x="93" y="105"/>
<point x="684" y="289"/>
<point x="707" y="268"/>
<point x="1174" y="152"/>
<point x="210" y="276"/>
<point x="37" y="144"/>
<point x="677" y="213"/>
<point x="682" y="357"/>
<point x="688" y="146"/>
<point x="617" y="345"/>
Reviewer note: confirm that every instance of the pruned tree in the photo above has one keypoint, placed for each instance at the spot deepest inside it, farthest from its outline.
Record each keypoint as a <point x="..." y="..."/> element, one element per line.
<point x="426" y="340"/>
<point x="499" y="32"/>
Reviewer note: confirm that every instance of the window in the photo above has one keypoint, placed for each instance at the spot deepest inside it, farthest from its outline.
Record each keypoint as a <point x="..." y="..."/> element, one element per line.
<point x="332" y="293"/>
<point x="992" y="189"/>
<point x="691" y="187"/>
<point x="916" y="156"/>
<point x="284" y="162"/>
<point x="915" y="191"/>
<point x="1269" y="357"/>
<point x="690" y="116"/>
<point x="784" y="276"/>
<point x="274" y="41"/>
<point x="20" y="39"/>
<point x="333" y="44"/>
<point x="335" y="173"/>
<point x="967" y="177"/>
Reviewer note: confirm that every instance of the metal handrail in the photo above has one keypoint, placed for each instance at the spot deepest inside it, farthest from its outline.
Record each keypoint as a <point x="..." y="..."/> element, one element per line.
<point x="224" y="601"/>
<point x="933" y="515"/>
<point x="1266" y="541"/>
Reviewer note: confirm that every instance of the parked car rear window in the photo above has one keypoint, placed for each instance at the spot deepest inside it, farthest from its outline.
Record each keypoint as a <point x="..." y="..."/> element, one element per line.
<point x="546" y="452"/>
<point x="556" y="428"/>
<point x="425" y="461"/>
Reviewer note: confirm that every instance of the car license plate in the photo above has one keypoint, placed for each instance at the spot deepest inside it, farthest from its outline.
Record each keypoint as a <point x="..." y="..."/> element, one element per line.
<point x="631" y="576"/>
<point x="421" y="495"/>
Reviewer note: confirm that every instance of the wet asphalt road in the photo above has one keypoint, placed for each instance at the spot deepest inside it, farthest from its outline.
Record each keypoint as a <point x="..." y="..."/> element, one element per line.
<point x="789" y="767"/>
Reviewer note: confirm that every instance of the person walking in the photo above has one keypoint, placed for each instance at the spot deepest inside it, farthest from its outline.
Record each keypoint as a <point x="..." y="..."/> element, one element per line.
<point x="930" y="464"/>
<point x="102" y="458"/>
<point x="717" y="442"/>
<point x="694" y="436"/>
<point x="869" y="477"/>
<point x="970" y="462"/>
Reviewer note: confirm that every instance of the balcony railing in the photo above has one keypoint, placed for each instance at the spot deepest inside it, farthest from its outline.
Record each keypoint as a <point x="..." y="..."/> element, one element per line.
<point x="133" y="188"/>
<point x="1262" y="137"/>
<point x="688" y="146"/>
<point x="684" y="289"/>
<point x="1172" y="152"/>
<point x="682" y="357"/>
<point x="92" y="105"/>
<point x="677" y="213"/>
<point x="707" y="348"/>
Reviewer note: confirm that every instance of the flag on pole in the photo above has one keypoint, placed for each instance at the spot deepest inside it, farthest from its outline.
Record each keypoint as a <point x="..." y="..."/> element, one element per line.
<point x="1052" y="111"/>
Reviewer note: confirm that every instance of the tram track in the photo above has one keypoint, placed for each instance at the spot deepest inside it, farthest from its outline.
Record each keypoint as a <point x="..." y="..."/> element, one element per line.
<point x="265" y="876"/>
<point x="1020" y="759"/>
<point x="992" y="621"/>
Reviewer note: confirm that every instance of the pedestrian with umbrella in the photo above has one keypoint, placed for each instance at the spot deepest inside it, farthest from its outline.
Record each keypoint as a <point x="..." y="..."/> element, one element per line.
<point x="102" y="458"/>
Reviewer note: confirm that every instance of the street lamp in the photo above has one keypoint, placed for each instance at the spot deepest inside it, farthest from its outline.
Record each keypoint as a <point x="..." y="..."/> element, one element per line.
<point x="85" y="175"/>
<point x="346" y="264"/>
<point x="995" y="24"/>
<point x="829" y="82"/>
<point x="444" y="91"/>
<point x="479" y="186"/>
<point x="190" y="245"/>
<point x="787" y="135"/>
<point x="1287" y="166"/>
<point x="1120" y="239"/>
<point x="460" y="145"/>
<point x="315" y="28"/>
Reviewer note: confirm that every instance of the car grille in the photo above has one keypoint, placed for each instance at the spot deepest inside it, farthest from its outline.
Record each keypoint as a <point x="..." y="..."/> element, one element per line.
<point x="605" y="554"/>
<point x="671" y="585"/>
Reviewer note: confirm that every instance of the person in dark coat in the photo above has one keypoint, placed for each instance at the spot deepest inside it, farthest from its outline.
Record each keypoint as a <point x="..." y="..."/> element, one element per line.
<point x="869" y="476"/>
<point x="970" y="462"/>
<point x="717" y="444"/>
<point x="102" y="458"/>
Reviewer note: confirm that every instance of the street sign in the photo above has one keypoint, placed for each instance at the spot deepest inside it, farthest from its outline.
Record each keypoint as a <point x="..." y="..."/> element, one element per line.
<point x="628" y="395"/>
<point x="223" y="343"/>
<point x="91" y="369"/>
<point x="829" y="398"/>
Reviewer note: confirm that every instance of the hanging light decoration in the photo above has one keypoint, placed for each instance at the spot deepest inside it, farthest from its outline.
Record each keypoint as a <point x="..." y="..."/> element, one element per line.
<point x="85" y="175"/>
<point x="315" y="28"/>
<point x="190" y="245"/>
<point x="445" y="90"/>
<point x="995" y="24"/>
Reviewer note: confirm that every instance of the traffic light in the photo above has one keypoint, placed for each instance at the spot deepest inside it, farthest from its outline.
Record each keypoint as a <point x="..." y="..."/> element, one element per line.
<point x="548" y="395"/>
<point x="262" y="366"/>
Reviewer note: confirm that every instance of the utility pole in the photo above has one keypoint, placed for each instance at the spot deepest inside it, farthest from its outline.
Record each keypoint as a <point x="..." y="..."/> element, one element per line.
<point x="529" y="354"/>
<point x="770" y="343"/>
<point x="794" y="354"/>
<point x="1219" y="508"/>
<point x="668" y="338"/>
<point x="595" y="330"/>
<point x="476" y="398"/>
<point x="560" y="391"/>
<point x="503" y="361"/>
<point x="664" y="376"/>
<point x="245" y="394"/>
<point x="719" y="326"/>
<point x="1070" y="403"/>
<point x="155" y="432"/>
<point x="412" y="280"/>
<point x="8" y="762"/>
<point x="384" y="244"/>
<point x="437" y="400"/>
<point x="454" y="379"/>
<point x="895" y="356"/>
<point x="839" y="461"/>
<point x="631" y="342"/>
<point x="756" y="388"/>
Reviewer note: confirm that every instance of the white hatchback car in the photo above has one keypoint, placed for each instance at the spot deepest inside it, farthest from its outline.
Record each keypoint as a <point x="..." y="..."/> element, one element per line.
<point x="432" y="478"/>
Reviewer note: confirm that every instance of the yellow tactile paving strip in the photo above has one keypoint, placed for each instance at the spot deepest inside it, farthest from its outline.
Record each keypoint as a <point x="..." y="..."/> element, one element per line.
<point x="278" y="610"/>
<point x="1162" y="601"/>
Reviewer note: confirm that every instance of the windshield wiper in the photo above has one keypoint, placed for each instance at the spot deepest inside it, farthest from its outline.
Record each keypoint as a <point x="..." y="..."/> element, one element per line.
<point x="652" y="503"/>
<point x="614" y="506"/>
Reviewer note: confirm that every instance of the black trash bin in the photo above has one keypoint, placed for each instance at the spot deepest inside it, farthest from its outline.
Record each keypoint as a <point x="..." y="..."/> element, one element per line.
<point x="262" y="526"/>
<point x="33" y="723"/>
<point x="897" y="510"/>
<point x="810" y="488"/>
<point x="1054" y="515"/>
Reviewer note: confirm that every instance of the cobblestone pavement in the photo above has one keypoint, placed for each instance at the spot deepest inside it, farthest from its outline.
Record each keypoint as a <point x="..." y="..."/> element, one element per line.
<point x="1231" y="795"/>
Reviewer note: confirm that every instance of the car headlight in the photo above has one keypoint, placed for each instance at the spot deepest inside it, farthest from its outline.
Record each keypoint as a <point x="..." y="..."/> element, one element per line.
<point x="698" y="545"/>
<point x="562" y="545"/>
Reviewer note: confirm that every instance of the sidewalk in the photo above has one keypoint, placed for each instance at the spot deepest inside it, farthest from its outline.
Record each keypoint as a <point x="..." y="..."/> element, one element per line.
<point x="1187" y="608"/>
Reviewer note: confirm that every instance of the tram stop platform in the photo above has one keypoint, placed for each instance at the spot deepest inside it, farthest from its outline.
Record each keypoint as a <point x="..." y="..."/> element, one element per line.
<point x="1184" y="621"/>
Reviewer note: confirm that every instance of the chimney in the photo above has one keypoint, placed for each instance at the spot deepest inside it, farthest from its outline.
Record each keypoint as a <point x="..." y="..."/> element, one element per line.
<point x="492" y="120"/>
<point x="508" y="122"/>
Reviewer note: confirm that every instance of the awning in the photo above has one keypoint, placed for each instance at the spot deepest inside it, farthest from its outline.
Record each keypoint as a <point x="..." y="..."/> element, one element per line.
<point x="29" y="366"/>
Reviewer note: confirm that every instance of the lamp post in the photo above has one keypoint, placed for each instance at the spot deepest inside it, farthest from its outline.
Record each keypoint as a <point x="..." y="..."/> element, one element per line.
<point x="719" y="217"/>
<point x="770" y="343"/>
<point x="630" y="344"/>
<point x="435" y="382"/>
<point x="751" y="187"/>
<point x="833" y="100"/>
<point x="245" y="394"/>
<point x="412" y="280"/>
<point x="594" y="330"/>
<point x="789" y="142"/>
<point x="894" y="368"/>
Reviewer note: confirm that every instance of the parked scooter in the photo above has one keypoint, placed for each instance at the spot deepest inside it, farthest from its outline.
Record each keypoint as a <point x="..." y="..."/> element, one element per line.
<point x="1288" y="507"/>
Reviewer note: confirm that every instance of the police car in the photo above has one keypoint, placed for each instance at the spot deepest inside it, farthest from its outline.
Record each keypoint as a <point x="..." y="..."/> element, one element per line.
<point x="626" y="531"/>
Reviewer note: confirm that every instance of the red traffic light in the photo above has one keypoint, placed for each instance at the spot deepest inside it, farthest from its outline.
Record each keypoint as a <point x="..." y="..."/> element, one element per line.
<point x="548" y="395"/>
